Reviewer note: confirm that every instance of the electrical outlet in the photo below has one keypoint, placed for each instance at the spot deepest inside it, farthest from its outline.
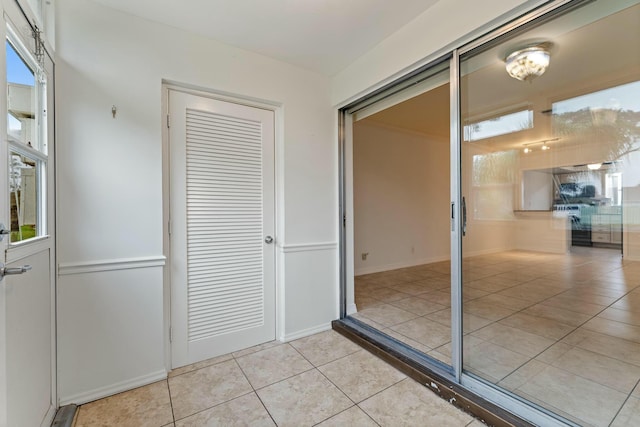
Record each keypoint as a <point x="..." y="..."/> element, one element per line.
<point x="364" y="255"/>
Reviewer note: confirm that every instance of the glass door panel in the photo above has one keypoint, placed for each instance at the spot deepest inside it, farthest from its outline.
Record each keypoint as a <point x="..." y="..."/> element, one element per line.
<point x="550" y="177"/>
<point x="401" y="159"/>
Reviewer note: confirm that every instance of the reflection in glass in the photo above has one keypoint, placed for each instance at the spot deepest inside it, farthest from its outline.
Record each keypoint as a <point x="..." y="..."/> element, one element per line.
<point x="551" y="258"/>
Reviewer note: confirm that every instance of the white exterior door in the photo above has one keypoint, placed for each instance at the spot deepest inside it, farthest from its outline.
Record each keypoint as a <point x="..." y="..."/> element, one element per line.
<point x="27" y="206"/>
<point x="222" y="226"/>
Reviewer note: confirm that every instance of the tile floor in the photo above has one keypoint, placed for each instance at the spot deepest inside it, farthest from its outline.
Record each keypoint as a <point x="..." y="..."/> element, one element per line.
<point x="559" y="330"/>
<point x="324" y="380"/>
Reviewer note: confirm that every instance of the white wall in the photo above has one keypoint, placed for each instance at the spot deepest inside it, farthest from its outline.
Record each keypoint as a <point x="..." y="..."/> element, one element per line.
<point x="401" y="198"/>
<point x="442" y="25"/>
<point x="111" y="308"/>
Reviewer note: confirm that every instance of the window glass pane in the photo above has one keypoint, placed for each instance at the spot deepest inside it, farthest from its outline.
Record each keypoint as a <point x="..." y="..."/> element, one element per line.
<point x="23" y="187"/>
<point x="21" y="100"/>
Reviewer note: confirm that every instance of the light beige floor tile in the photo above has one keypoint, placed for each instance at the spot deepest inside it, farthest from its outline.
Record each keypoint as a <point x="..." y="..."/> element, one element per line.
<point x="613" y="328"/>
<point x="506" y="302"/>
<point x="438" y="297"/>
<point x="425" y="331"/>
<point x="203" y="364"/>
<point x="554" y="352"/>
<point x="606" y="345"/>
<point x="582" y="398"/>
<point x="324" y="347"/>
<point x="623" y="316"/>
<point x="198" y="390"/>
<point x="246" y="410"/>
<point x="413" y="288"/>
<point x="469" y="341"/>
<point x="604" y="370"/>
<point x="514" y="339"/>
<point x="418" y="306"/>
<point x="557" y="314"/>
<point x="470" y="294"/>
<point x="411" y="404"/>
<point x="538" y="325"/>
<point x="523" y="374"/>
<point x="582" y="294"/>
<point x="144" y="406"/>
<point x="470" y="322"/>
<point x="352" y="417"/>
<point x="388" y="295"/>
<point x="408" y="341"/>
<point x="303" y="400"/>
<point x="487" y="310"/>
<point x="571" y="304"/>
<point x="629" y="415"/>
<point x="361" y="375"/>
<point x="272" y="365"/>
<point x="366" y="302"/>
<point x="493" y="361"/>
<point x="476" y="423"/>
<point x="257" y="348"/>
<point x="387" y="315"/>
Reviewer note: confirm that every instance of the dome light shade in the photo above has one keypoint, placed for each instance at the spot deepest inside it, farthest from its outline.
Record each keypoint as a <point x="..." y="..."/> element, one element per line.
<point x="594" y="166"/>
<point x="529" y="63"/>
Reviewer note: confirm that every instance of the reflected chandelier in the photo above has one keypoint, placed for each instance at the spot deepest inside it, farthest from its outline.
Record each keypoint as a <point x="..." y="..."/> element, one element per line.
<point x="528" y="63"/>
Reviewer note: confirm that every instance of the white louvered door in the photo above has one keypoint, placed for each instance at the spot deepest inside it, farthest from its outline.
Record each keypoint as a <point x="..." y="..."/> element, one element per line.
<point x="222" y="210"/>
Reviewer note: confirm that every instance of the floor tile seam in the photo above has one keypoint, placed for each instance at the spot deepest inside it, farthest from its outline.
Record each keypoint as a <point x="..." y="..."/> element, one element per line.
<point x="610" y="389"/>
<point x="214" y="406"/>
<point x="338" y="359"/>
<point x="592" y="380"/>
<point x="331" y="361"/>
<point x="516" y="351"/>
<point x="581" y="346"/>
<point x="198" y="369"/>
<point x="345" y="410"/>
<point x="344" y="392"/>
<point x="265" y="408"/>
<point x="173" y="414"/>
<point x="537" y="402"/>
<point x="283" y="379"/>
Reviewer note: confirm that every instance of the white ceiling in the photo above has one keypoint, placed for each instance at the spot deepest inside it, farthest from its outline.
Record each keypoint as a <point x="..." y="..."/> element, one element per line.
<point x="320" y="35"/>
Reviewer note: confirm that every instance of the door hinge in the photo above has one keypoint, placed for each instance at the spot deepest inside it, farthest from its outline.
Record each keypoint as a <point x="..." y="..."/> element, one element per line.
<point x="169" y="227"/>
<point x="170" y="334"/>
<point x="344" y="220"/>
<point x="168" y="121"/>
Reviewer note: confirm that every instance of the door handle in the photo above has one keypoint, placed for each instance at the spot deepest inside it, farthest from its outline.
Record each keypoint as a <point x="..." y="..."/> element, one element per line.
<point x="268" y="239"/>
<point x="13" y="270"/>
<point x="464" y="216"/>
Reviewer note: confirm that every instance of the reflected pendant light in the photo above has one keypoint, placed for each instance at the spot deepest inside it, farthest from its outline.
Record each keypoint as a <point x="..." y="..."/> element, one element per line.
<point x="529" y="63"/>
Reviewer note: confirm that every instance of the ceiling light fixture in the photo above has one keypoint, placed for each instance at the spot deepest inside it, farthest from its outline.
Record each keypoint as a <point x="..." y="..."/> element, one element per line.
<point x="594" y="166"/>
<point x="528" y="63"/>
<point x="528" y="147"/>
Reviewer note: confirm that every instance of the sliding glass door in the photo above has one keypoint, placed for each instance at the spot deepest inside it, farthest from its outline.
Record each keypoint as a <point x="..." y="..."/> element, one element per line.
<point x="550" y="171"/>
<point x="492" y="215"/>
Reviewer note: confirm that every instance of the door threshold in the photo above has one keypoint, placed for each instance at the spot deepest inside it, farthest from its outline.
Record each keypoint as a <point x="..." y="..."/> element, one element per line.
<point x="430" y="374"/>
<point x="65" y="416"/>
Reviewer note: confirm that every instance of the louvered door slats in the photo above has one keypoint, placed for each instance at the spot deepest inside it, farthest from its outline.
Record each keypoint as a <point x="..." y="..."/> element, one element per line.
<point x="224" y="224"/>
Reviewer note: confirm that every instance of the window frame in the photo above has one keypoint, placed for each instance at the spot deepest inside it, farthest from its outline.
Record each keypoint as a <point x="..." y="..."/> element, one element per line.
<point x="39" y="151"/>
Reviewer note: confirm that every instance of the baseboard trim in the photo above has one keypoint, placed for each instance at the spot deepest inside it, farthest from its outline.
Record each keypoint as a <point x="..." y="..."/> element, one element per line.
<point x="306" y="332"/>
<point x="99" y="393"/>
<point x="351" y="308"/>
<point x="397" y="265"/>
<point x="67" y="268"/>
